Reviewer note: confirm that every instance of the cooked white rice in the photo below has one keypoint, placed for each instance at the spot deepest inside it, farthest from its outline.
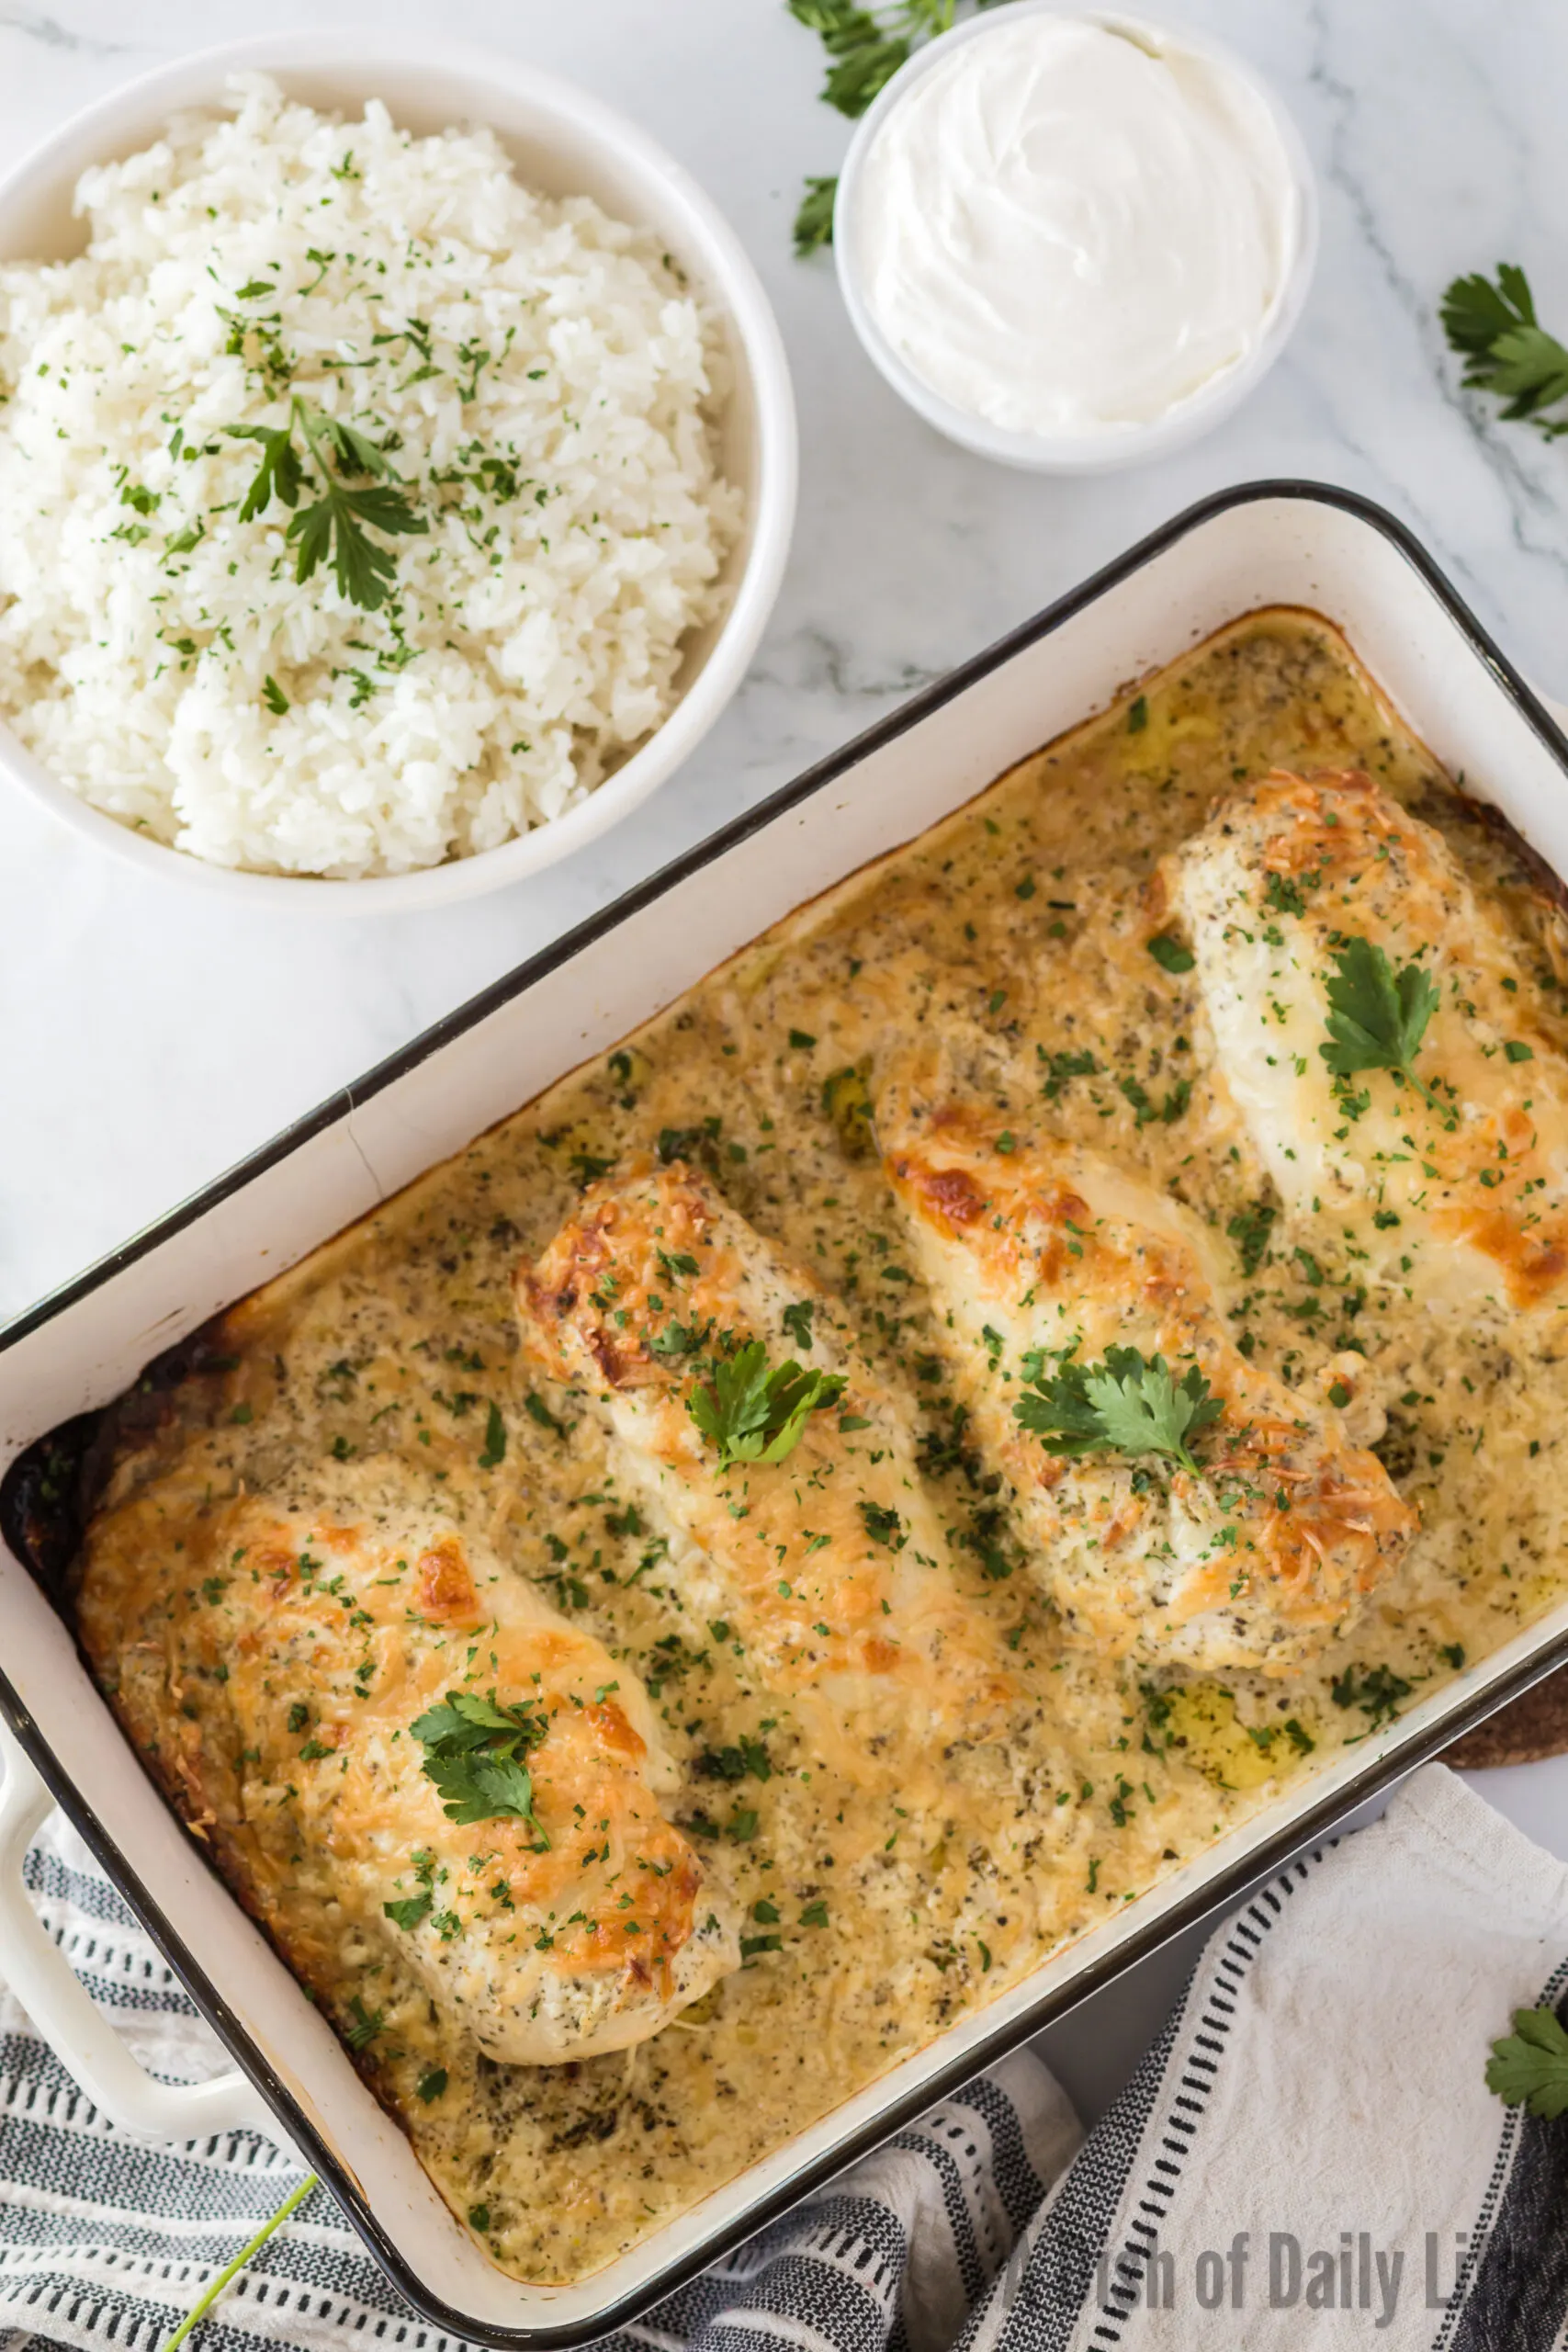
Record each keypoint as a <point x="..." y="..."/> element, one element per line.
<point x="576" y="522"/>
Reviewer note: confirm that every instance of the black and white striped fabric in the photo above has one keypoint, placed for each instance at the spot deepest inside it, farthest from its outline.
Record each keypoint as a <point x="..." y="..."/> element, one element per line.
<point x="1309" y="2155"/>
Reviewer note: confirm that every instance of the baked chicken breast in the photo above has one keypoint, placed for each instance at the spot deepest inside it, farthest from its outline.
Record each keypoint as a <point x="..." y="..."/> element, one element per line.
<point x="1444" y="1167"/>
<point x="815" y="1539"/>
<point x="1253" y="1534"/>
<point x="364" y="1702"/>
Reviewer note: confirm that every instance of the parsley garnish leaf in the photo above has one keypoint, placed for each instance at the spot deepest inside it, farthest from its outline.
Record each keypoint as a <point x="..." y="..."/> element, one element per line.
<point x="335" y="522"/>
<point x="752" y="1411"/>
<point x="1529" y="2068"/>
<point x="1377" y="1017"/>
<point x="1127" y="1404"/>
<point x="474" y="1749"/>
<point x="814" y="216"/>
<point x="1505" y="350"/>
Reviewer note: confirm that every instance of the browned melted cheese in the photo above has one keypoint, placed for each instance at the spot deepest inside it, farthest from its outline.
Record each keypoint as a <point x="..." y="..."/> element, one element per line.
<point x="885" y="1875"/>
<point x="1039" y="1249"/>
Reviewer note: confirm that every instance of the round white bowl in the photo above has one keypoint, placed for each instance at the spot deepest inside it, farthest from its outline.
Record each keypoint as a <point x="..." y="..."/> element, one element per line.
<point x="1112" y="447"/>
<point x="566" y="142"/>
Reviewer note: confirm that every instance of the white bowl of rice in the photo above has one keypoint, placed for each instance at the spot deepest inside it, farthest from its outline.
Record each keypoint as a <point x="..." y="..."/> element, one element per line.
<point x="397" y="470"/>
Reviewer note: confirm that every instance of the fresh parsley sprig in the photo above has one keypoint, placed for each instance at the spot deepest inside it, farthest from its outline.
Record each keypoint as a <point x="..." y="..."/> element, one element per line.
<point x="1529" y="2068"/>
<point x="865" y="47"/>
<point x="1506" y="349"/>
<point x="1377" y="1017"/>
<point x="335" y="522"/>
<point x="474" y="1751"/>
<point x="1128" y="1404"/>
<point x="754" y="1411"/>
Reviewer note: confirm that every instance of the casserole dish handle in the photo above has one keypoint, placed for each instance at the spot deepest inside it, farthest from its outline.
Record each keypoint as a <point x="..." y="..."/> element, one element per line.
<point x="65" y="2014"/>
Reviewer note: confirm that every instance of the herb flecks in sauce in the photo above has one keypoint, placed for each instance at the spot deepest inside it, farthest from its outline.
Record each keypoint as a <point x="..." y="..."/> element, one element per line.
<point x="575" y="2164"/>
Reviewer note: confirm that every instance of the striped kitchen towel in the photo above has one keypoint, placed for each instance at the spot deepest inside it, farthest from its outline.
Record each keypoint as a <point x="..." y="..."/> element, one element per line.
<point x="1309" y="2155"/>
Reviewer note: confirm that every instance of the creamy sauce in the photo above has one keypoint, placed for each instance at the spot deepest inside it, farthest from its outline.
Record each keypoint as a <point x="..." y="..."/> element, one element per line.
<point x="1068" y="229"/>
<point x="884" y="1898"/>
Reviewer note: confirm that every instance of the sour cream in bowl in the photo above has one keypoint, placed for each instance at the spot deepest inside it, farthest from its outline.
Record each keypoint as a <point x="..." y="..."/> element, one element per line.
<point x="1073" y="240"/>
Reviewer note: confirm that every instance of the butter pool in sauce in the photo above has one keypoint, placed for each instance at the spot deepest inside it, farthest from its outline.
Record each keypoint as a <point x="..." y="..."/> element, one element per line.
<point x="887" y="1900"/>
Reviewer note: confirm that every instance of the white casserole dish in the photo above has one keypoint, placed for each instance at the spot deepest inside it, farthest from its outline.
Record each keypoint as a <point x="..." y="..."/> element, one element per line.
<point x="1267" y="544"/>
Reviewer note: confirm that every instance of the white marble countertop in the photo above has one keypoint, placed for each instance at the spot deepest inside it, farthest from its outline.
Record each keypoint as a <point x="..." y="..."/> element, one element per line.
<point x="148" y="1039"/>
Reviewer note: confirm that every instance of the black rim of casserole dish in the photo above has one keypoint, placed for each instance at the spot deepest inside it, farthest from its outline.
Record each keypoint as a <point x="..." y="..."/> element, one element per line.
<point x="1257" y="1863"/>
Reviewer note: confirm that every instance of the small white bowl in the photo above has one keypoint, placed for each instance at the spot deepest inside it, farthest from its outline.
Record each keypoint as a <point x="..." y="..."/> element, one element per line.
<point x="1112" y="448"/>
<point x="566" y="142"/>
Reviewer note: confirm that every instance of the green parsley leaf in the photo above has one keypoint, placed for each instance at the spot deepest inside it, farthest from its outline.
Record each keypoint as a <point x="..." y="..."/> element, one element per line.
<point x="749" y="1759"/>
<point x="1529" y="2068"/>
<point x="1127" y="1404"/>
<point x="495" y="1439"/>
<point x="1377" y="1017"/>
<point x="280" y="470"/>
<point x="1377" y="1691"/>
<point x="410" y="1910"/>
<point x="1250" y="1229"/>
<point x="862" y="57"/>
<point x="814" y="216"/>
<point x="1505" y="350"/>
<point x="431" y="2083"/>
<point x="537" y="1410"/>
<point x="796" y="1322"/>
<point x="815" y="1915"/>
<point x="678" y="1339"/>
<point x="274" y="697"/>
<point x="368" y="2024"/>
<point x="1170" y="952"/>
<point x="1137" y="715"/>
<point x="752" y="1411"/>
<point x="474" y="1749"/>
<point x="883" y="1524"/>
<point x="334" y="524"/>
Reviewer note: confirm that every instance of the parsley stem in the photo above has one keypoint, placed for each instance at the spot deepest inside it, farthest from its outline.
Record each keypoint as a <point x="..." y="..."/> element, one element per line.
<point x="199" y="2310"/>
<point x="1439" y="1110"/>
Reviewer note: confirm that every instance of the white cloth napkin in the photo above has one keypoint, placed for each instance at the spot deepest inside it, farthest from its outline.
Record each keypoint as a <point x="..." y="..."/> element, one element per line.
<point x="1308" y="2155"/>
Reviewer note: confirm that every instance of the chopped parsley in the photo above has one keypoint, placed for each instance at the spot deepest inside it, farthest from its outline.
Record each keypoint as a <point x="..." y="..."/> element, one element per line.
<point x="883" y="1524"/>
<point x="1170" y="952"/>
<point x="1377" y="1691"/>
<point x="368" y="2024"/>
<point x="410" y="1909"/>
<point x="495" y="1439"/>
